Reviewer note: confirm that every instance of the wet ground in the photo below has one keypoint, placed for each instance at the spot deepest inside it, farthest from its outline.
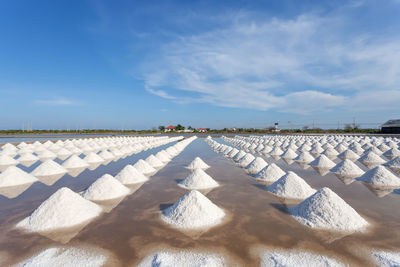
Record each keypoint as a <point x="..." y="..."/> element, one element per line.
<point x="256" y="218"/>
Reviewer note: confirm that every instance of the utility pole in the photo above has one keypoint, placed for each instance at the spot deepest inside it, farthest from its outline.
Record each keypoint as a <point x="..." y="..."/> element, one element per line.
<point x="313" y="124"/>
<point x="354" y="122"/>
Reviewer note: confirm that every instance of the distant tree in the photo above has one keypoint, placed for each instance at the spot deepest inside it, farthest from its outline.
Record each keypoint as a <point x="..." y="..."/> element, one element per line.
<point x="161" y="128"/>
<point x="190" y="128"/>
<point x="179" y="127"/>
<point x="348" y="128"/>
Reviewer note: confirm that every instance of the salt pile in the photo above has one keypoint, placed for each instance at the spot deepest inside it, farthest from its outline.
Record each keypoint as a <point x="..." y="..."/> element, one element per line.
<point x="154" y="161"/>
<point x="304" y="157"/>
<point x="276" y="151"/>
<point x="256" y="165"/>
<point x="348" y="154"/>
<point x="48" y="168"/>
<point x="246" y="160"/>
<point x="63" y="209"/>
<point x="380" y="176"/>
<point x="6" y="161"/>
<point x="63" y="153"/>
<point x="105" y="188"/>
<point x="326" y="210"/>
<point x="62" y="256"/>
<point x="93" y="158"/>
<point x="394" y="163"/>
<point x="183" y="259"/>
<point x="106" y="155"/>
<point x="28" y="159"/>
<point x="130" y="175"/>
<point x="330" y="152"/>
<point x="75" y="162"/>
<point x="144" y="167"/>
<point x="392" y="153"/>
<point x="163" y="156"/>
<point x="232" y="153"/>
<point x="289" y="154"/>
<point x="371" y="158"/>
<point x="296" y="258"/>
<point x="291" y="186"/>
<point x="198" y="163"/>
<point x="14" y="176"/>
<point x="386" y="258"/>
<point x="347" y="168"/>
<point x="198" y="179"/>
<point x="271" y="173"/>
<point x="46" y="155"/>
<point x="193" y="211"/>
<point x="239" y="155"/>
<point x="322" y="162"/>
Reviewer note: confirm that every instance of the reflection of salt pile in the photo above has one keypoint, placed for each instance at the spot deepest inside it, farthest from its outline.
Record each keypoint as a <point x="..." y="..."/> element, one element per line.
<point x="348" y="154"/>
<point x="296" y="258"/>
<point x="371" y="158"/>
<point x="198" y="179"/>
<point x="322" y="162"/>
<point x="380" y="176"/>
<point x="14" y="176"/>
<point x="386" y="258"/>
<point x="246" y="160"/>
<point x="326" y="210"/>
<point x="291" y="186"/>
<point x="193" y="211"/>
<point x="64" y="208"/>
<point x="182" y="258"/>
<point x="154" y="162"/>
<point x="130" y="175"/>
<point x="271" y="173"/>
<point x="62" y="256"/>
<point x="105" y="188"/>
<point x="256" y="165"/>
<point x="75" y="162"/>
<point x="198" y="163"/>
<point x="48" y="168"/>
<point x="144" y="167"/>
<point x="347" y="168"/>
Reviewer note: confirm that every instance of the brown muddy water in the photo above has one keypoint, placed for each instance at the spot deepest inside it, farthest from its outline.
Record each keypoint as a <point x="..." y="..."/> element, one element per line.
<point x="132" y="228"/>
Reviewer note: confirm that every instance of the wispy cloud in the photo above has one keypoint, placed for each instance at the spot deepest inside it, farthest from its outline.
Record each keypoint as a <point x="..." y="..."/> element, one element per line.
<point x="60" y="101"/>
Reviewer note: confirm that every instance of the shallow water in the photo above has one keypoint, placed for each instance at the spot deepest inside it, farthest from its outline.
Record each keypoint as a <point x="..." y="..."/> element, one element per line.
<point x="256" y="218"/>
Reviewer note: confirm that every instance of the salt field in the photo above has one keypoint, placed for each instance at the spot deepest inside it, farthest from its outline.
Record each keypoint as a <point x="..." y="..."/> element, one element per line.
<point x="273" y="200"/>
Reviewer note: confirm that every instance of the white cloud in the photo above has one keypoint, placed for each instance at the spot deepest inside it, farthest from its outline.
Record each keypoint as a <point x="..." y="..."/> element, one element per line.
<point x="268" y="64"/>
<point x="61" y="101"/>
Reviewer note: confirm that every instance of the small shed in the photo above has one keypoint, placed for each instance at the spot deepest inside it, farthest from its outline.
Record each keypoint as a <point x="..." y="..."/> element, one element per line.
<point x="391" y="127"/>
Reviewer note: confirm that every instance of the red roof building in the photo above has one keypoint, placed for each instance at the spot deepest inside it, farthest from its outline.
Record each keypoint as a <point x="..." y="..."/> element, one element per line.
<point x="169" y="128"/>
<point x="202" y="130"/>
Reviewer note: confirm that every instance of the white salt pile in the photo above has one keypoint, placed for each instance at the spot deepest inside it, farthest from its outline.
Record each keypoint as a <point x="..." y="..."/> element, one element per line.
<point x="28" y="159"/>
<point x="130" y="175"/>
<point x="198" y="163"/>
<point x="271" y="173"/>
<point x="326" y="210"/>
<point x="184" y="258"/>
<point x="105" y="188"/>
<point x="380" y="176"/>
<point x="291" y="186"/>
<point x="106" y="155"/>
<point x="144" y="167"/>
<point x="232" y="153"/>
<point x="347" y="168"/>
<point x="198" y="179"/>
<point x="371" y="158"/>
<point x="330" y="152"/>
<point x="193" y="211"/>
<point x="348" y="154"/>
<point x="74" y="162"/>
<point x="71" y="256"/>
<point x="394" y="163"/>
<point x="296" y="258"/>
<point x="163" y="156"/>
<point x="154" y="161"/>
<point x="6" y="161"/>
<point x="46" y="155"/>
<point x="239" y="155"/>
<point x="256" y="165"/>
<point x="322" y="162"/>
<point x="304" y="157"/>
<point x="63" y="153"/>
<point x="93" y="158"/>
<point x="392" y="153"/>
<point x="386" y="258"/>
<point x="289" y="154"/>
<point x="277" y="151"/>
<point x="63" y="209"/>
<point x="246" y="160"/>
<point x="48" y="168"/>
<point x="14" y="176"/>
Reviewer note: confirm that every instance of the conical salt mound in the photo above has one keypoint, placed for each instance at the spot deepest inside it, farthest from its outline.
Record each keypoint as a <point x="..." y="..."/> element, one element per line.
<point x="291" y="186"/>
<point x="163" y="156"/>
<point x="371" y="158"/>
<point x="347" y="168"/>
<point x="271" y="173"/>
<point x="130" y="175"/>
<point x="6" y="160"/>
<point x="277" y="151"/>
<point x="239" y="155"/>
<point x="198" y="163"/>
<point x="48" y="168"/>
<point x="326" y="210"/>
<point x="348" y="154"/>
<point x="63" y="153"/>
<point x="246" y="160"/>
<point x="392" y="153"/>
<point x="232" y="153"/>
<point x="380" y="176"/>
<point x="198" y="179"/>
<point x="105" y="188"/>
<point x="63" y="209"/>
<point x="14" y="176"/>
<point x="144" y="167"/>
<point x="106" y="155"/>
<point x="289" y="154"/>
<point x="46" y="154"/>
<point x="322" y="162"/>
<point x="256" y="165"/>
<point x="75" y="162"/>
<point x="154" y="162"/>
<point x="193" y="211"/>
<point x="28" y="159"/>
<point x="93" y="158"/>
<point x="304" y="157"/>
<point x="394" y="163"/>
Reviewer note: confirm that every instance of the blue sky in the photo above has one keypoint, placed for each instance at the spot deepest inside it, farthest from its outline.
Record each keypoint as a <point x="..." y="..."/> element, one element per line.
<point x="140" y="64"/>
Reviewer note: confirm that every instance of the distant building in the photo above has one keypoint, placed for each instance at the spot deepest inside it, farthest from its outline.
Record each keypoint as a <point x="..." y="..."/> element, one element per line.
<point x="202" y="130"/>
<point x="169" y="129"/>
<point x="391" y="126"/>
